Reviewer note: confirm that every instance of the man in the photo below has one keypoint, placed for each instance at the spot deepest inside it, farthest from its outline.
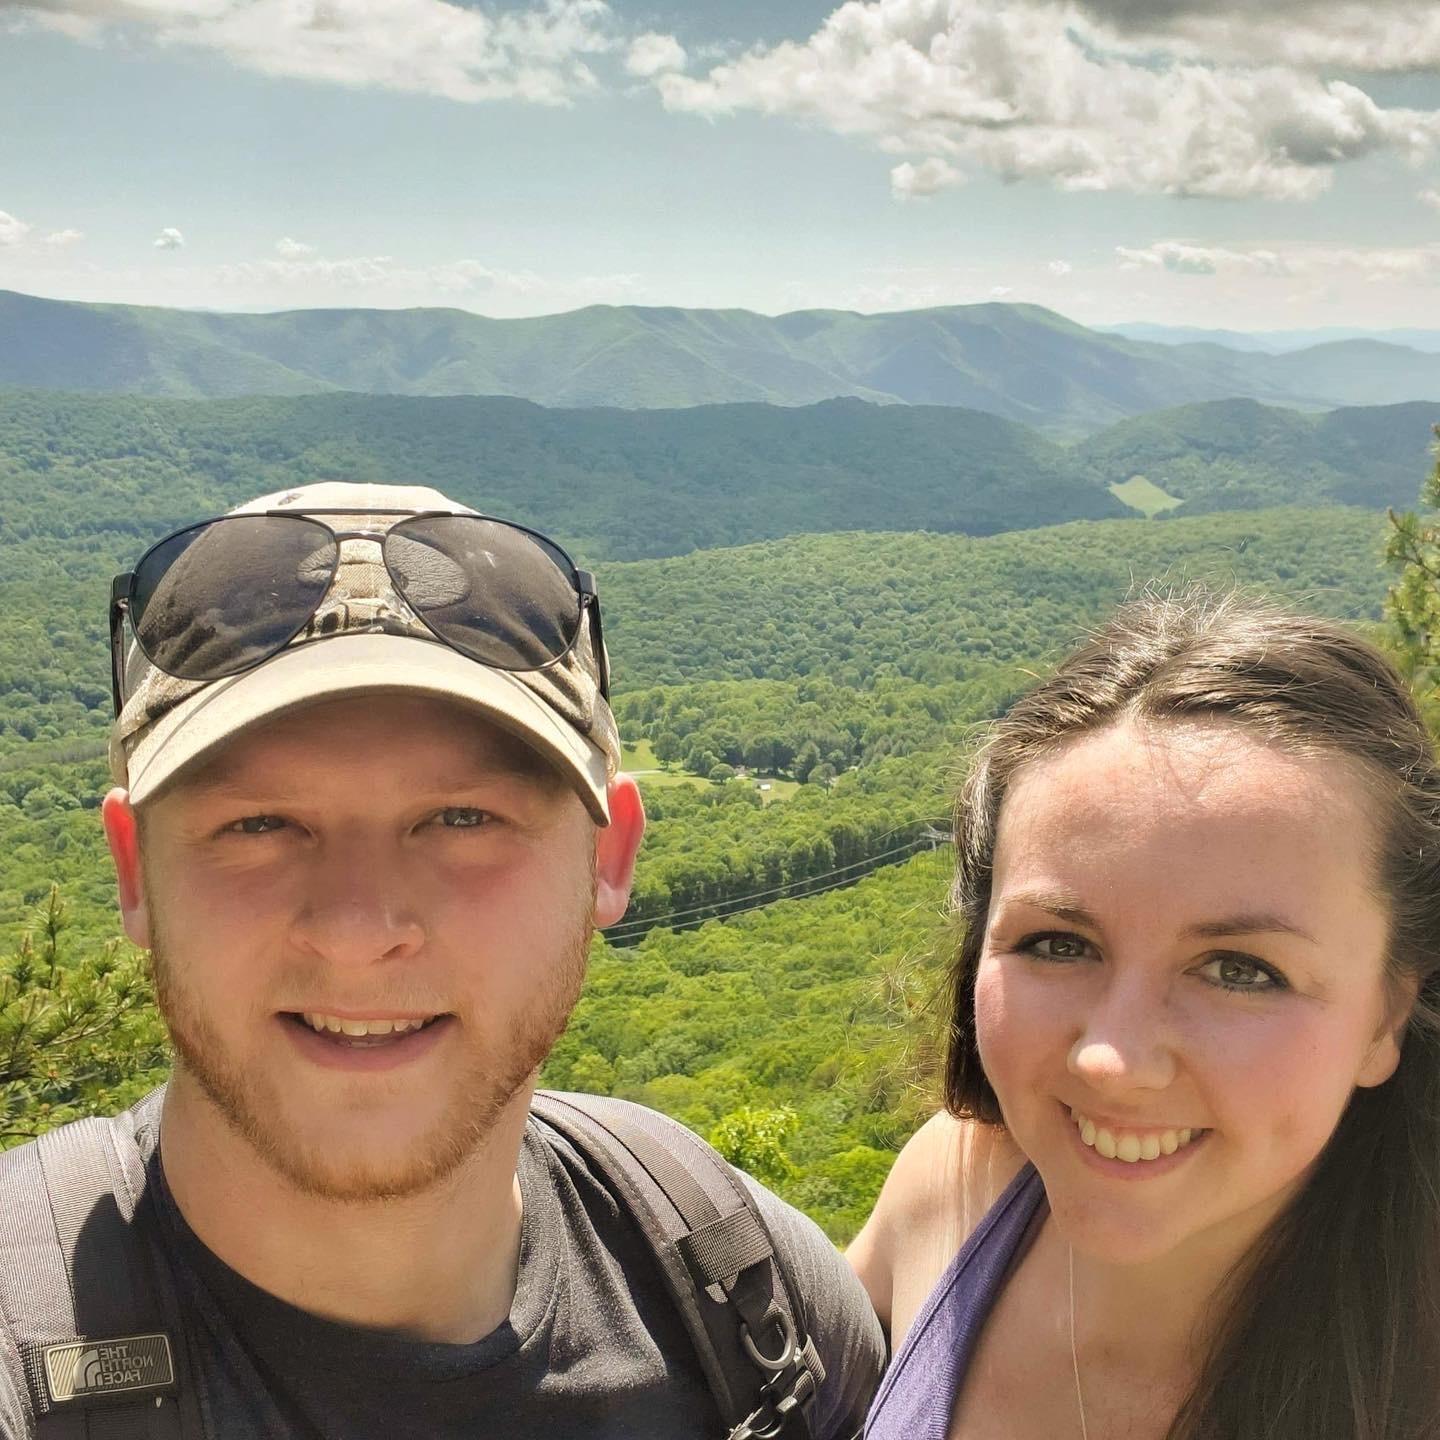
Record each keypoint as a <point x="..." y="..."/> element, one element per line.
<point x="367" y="816"/>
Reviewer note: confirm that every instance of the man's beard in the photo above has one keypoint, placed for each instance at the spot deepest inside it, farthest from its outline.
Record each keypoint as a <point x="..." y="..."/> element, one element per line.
<point x="491" y="1082"/>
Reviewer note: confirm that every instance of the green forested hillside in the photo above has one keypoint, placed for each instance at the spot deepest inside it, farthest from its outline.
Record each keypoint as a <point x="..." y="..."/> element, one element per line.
<point x="1235" y="454"/>
<point x="85" y="482"/>
<point x="100" y="473"/>
<point x="852" y="608"/>
<point x="816" y="1007"/>
<point x="1019" y="361"/>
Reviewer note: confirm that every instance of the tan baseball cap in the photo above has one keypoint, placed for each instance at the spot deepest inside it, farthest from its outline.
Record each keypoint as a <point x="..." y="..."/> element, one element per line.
<point x="363" y="639"/>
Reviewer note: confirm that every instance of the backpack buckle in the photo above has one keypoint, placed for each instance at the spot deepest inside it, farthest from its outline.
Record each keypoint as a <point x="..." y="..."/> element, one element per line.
<point x="788" y="1347"/>
<point x="779" y="1415"/>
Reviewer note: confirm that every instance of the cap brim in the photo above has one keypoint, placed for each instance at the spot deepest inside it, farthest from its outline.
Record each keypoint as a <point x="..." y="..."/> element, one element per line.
<point x="363" y="664"/>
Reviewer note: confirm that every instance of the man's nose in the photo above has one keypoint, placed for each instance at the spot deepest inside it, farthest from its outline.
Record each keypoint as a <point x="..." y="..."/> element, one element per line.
<point x="357" y="906"/>
<point x="1127" y="1038"/>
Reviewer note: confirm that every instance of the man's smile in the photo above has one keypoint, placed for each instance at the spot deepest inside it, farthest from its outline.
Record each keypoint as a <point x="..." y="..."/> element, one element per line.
<point x="364" y="1025"/>
<point x="377" y="1043"/>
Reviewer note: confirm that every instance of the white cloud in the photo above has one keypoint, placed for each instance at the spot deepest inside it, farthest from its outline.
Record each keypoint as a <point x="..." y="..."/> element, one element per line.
<point x="432" y="47"/>
<point x="12" y="231"/>
<point x="289" y="249"/>
<point x="908" y="181"/>
<point x="63" y="239"/>
<point x="1181" y="258"/>
<point x="1430" y="198"/>
<point x="169" y="239"/>
<point x="1059" y="268"/>
<point x="1378" y="35"/>
<point x="1411" y="265"/>
<point x="1037" y="89"/>
<point x="653" y="54"/>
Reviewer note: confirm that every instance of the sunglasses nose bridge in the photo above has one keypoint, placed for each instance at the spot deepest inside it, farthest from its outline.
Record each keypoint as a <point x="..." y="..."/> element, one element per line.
<point x="362" y="593"/>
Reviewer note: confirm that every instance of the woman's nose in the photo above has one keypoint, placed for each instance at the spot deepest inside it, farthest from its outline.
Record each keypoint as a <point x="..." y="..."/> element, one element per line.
<point x="1126" y="1039"/>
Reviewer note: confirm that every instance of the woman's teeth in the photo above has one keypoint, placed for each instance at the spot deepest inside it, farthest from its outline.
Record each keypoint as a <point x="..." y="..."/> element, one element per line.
<point x="1130" y="1146"/>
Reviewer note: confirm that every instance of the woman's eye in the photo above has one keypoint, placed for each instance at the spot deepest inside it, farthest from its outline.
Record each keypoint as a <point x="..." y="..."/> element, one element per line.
<point x="1241" y="972"/>
<point x="1056" y="947"/>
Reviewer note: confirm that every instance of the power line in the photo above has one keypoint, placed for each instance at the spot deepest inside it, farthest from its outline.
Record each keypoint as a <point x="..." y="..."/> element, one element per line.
<point x="746" y="910"/>
<point x="777" y="891"/>
<point x="721" y="909"/>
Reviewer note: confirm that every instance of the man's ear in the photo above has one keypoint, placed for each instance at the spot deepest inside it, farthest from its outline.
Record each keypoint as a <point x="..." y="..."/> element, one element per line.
<point x="616" y="845"/>
<point x="1384" y="1056"/>
<point x="122" y="834"/>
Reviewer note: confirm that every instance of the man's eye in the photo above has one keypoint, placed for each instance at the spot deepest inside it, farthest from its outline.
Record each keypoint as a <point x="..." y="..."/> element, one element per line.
<point x="1242" y="972"/>
<point x="1056" y="947"/>
<point x="258" y="825"/>
<point x="464" y="817"/>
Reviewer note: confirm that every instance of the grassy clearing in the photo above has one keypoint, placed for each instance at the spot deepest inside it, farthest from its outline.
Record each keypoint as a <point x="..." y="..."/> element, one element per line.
<point x="639" y="760"/>
<point x="1145" y="496"/>
<point x="665" y="778"/>
<point x="639" y="756"/>
<point x="779" y="789"/>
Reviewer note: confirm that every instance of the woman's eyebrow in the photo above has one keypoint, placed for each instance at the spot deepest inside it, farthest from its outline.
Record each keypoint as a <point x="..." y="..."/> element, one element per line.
<point x="1067" y="907"/>
<point x="1061" y="904"/>
<point x="1250" y="922"/>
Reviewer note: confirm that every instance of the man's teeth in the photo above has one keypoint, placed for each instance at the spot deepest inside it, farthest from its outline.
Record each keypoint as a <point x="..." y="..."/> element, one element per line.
<point x="1129" y="1146"/>
<point x="336" y="1026"/>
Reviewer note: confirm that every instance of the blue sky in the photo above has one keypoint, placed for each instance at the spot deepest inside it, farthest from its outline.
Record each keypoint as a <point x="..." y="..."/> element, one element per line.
<point x="1207" y="162"/>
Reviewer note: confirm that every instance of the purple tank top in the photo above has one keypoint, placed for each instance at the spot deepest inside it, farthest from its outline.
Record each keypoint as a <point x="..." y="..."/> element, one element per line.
<point x="918" y="1392"/>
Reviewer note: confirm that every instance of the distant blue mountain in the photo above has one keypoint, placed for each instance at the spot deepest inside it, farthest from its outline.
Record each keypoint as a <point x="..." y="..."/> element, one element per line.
<point x="1273" y="342"/>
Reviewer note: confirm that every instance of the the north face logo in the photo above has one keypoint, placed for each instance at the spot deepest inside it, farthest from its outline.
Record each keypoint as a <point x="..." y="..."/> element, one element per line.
<point x="104" y="1367"/>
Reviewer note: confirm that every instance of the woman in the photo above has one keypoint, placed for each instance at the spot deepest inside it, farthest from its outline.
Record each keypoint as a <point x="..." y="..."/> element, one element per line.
<point x="1188" y="1181"/>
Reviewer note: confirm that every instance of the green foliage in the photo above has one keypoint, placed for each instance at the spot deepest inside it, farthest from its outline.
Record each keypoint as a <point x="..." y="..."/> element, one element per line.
<point x="851" y="611"/>
<point x="754" y="1139"/>
<point x="843" y="1188"/>
<point x="1413" y="604"/>
<point x="78" y="1033"/>
<point x="714" y="850"/>
<point x="824" y="1007"/>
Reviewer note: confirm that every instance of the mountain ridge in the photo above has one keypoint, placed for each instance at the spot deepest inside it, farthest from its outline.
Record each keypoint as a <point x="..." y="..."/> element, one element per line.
<point x="1021" y="362"/>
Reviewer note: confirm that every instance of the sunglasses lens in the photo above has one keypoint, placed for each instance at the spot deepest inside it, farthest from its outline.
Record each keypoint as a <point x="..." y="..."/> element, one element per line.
<point x="496" y="593"/>
<point x="212" y="601"/>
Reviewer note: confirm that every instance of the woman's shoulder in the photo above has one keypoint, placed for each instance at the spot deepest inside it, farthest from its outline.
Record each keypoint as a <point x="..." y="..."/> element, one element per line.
<point x="943" y="1182"/>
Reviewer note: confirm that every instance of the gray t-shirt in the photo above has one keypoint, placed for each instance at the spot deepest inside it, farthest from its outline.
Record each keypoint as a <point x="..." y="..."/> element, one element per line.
<point x="592" y="1348"/>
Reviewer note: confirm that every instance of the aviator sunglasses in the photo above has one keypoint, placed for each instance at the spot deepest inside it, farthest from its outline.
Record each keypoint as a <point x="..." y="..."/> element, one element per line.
<point x="222" y="596"/>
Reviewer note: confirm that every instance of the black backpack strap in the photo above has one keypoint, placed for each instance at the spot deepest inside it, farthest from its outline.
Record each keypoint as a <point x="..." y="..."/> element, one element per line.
<point x="95" y="1324"/>
<point x="715" y="1253"/>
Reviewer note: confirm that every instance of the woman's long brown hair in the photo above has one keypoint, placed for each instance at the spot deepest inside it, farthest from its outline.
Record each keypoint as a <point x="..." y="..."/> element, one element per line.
<point x="1329" y="1329"/>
